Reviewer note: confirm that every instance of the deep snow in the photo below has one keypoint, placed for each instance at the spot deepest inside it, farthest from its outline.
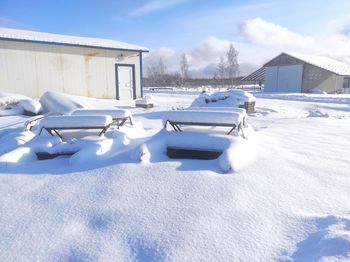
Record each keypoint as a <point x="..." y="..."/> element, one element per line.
<point x="290" y="202"/>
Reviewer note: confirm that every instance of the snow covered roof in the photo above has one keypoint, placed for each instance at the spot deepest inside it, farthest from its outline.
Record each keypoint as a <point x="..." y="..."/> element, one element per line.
<point x="324" y="62"/>
<point x="33" y="36"/>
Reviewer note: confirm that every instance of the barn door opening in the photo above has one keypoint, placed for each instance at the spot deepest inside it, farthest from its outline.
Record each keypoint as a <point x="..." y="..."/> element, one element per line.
<point x="125" y="81"/>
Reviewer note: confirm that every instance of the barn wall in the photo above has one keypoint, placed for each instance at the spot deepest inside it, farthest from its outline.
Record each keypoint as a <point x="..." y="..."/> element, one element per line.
<point x="31" y="69"/>
<point x="283" y="79"/>
<point x="315" y="77"/>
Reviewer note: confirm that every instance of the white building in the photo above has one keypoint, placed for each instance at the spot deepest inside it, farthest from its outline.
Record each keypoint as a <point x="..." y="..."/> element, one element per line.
<point x="295" y="73"/>
<point x="34" y="62"/>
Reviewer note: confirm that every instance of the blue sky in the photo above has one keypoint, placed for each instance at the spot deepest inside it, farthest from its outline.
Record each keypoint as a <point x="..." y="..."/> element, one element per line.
<point x="174" y="26"/>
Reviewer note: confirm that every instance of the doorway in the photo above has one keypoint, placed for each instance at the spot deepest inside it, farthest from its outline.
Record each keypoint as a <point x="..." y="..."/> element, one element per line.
<point x="125" y="81"/>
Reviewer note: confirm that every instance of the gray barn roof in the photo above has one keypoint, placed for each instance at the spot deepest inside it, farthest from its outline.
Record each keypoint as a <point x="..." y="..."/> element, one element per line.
<point x="323" y="62"/>
<point x="257" y="75"/>
<point x="39" y="37"/>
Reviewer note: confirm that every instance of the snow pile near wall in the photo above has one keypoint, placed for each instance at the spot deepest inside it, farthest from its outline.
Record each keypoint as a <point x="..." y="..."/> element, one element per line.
<point x="232" y="98"/>
<point x="15" y="104"/>
<point x="30" y="105"/>
<point x="236" y="152"/>
<point x="55" y="102"/>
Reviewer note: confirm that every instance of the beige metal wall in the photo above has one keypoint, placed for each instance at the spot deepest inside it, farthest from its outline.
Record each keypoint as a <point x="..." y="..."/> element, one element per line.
<point x="315" y="77"/>
<point x="32" y="68"/>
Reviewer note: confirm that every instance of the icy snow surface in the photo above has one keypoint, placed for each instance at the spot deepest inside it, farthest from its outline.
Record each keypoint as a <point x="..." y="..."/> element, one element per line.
<point x="289" y="202"/>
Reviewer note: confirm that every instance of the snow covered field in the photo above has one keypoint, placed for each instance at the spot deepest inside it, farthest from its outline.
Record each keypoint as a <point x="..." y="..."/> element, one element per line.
<point x="290" y="202"/>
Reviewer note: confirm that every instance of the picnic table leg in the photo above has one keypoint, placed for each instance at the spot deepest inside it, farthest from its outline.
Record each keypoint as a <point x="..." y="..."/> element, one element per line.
<point x="104" y="130"/>
<point x="241" y="129"/>
<point x="130" y="120"/>
<point x="122" y="122"/>
<point x="178" y="128"/>
<point x="56" y="133"/>
<point x="233" y="128"/>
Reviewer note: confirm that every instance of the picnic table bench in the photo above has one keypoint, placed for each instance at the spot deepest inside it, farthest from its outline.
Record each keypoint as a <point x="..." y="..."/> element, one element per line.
<point x="119" y="116"/>
<point x="203" y="118"/>
<point x="55" y="123"/>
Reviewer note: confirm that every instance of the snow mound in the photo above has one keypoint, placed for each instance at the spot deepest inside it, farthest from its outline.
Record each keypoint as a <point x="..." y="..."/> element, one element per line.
<point x="26" y="153"/>
<point x="11" y="110"/>
<point x="330" y="241"/>
<point x="232" y="98"/>
<point x="30" y="105"/>
<point x="236" y="152"/>
<point x="55" y="102"/>
<point x="15" y="104"/>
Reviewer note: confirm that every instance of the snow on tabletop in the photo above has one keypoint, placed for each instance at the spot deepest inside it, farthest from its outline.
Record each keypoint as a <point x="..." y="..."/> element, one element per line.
<point x="210" y="117"/>
<point x="16" y="34"/>
<point x="75" y="121"/>
<point x="218" y="109"/>
<point x="114" y="113"/>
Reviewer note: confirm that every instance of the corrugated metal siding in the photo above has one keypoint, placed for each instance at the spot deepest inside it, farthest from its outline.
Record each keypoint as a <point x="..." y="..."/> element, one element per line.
<point x="31" y="69"/>
<point x="283" y="79"/>
<point x="316" y="77"/>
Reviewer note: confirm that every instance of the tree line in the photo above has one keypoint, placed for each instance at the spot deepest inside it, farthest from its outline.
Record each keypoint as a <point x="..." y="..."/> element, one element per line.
<point x="226" y="73"/>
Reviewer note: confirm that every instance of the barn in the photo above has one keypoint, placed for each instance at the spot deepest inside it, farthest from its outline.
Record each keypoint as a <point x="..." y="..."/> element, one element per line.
<point x="34" y="62"/>
<point x="295" y="73"/>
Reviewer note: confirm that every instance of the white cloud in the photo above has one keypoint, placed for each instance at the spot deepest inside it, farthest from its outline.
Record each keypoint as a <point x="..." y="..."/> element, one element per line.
<point x="155" y="5"/>
<point x="258" y="33"/>
<point x="259" y="41"/>
<point x="208" y="51"/>
<point x="200" y="58"/>
<point x="262" y="33"/>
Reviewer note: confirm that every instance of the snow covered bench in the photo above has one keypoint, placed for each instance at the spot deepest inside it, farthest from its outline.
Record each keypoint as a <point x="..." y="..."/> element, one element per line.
<point x="223" y="109"/>
<point x="204" y="118"/>
<point x="119" y="116"/>
<point x="54" y="123"/>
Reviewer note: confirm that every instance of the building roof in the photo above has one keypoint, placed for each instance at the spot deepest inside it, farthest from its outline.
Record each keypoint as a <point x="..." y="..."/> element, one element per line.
<point x="39" y="37"/>
<point x="257" y="75"/>
<point x="324" y="62"/>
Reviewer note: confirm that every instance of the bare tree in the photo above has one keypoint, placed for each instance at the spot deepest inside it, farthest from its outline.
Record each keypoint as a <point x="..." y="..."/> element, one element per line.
<point x="184" y="66"/>
<point x="232" y="63"/>
<point x="221" y="70"/>
<point x="161" y="67"/>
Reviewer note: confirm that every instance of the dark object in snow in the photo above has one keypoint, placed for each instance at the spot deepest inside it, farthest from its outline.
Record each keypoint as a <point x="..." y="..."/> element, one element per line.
<point x="249" y="107"/>
<point x="180" y="153"/>
<point x="144" y="105"/>
<point x="47" y="156"/>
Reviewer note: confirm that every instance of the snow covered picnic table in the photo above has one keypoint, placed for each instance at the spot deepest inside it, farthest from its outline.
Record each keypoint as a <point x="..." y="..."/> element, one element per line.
<point x="203" y="118"/>
<point x="55" y="123"/>
<point x="222" y="109"/>
<point x="119" y="116"/>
